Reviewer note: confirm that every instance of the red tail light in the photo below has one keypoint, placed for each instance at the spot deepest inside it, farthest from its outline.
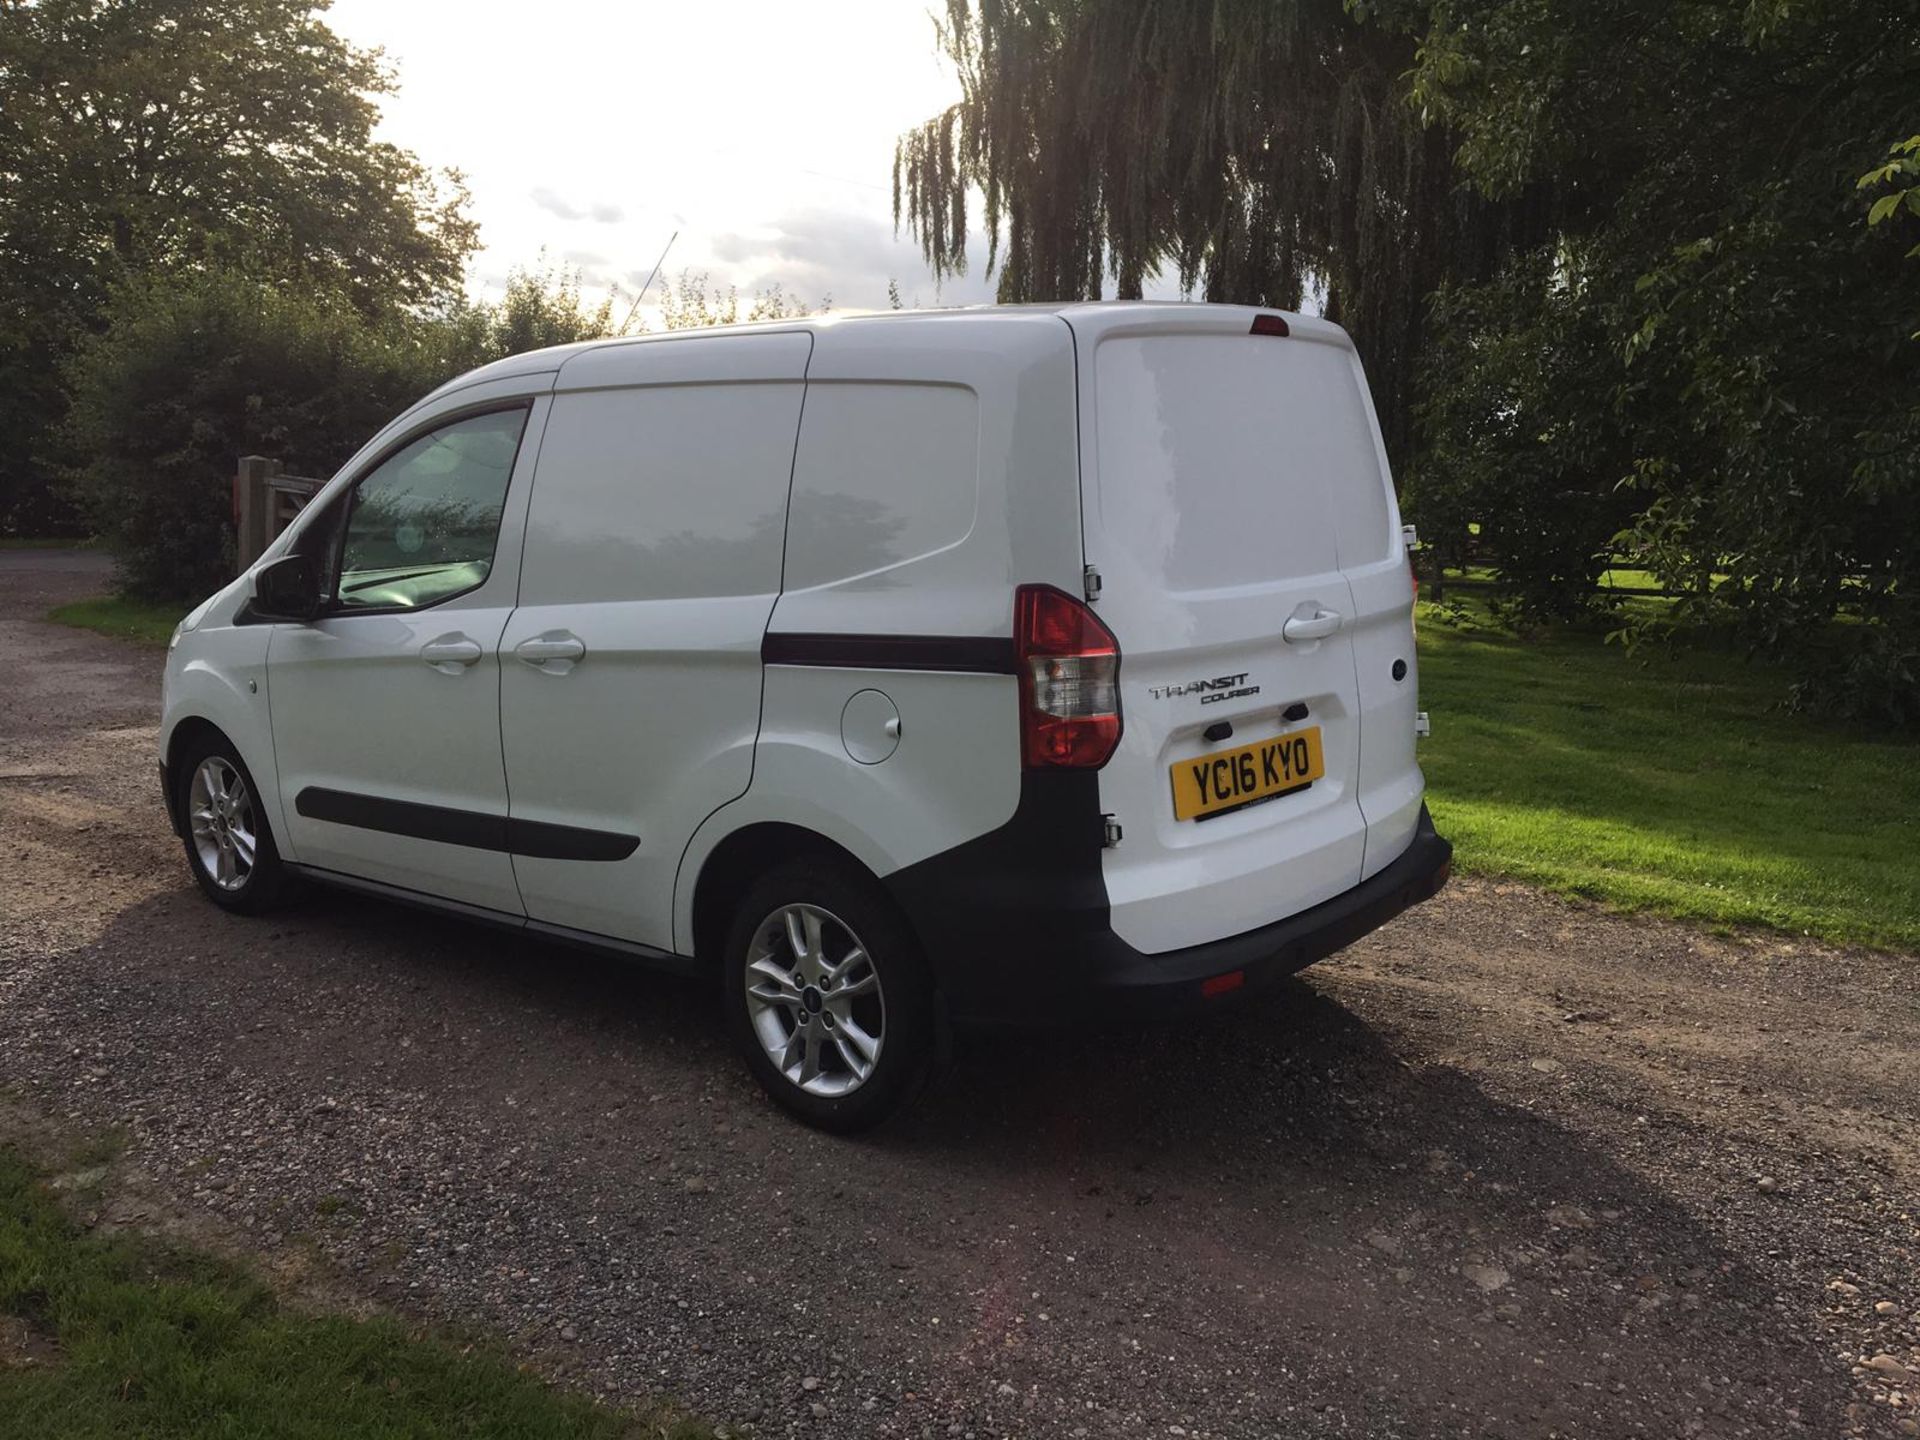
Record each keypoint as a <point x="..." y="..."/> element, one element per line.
<point x="1069" y="667"/>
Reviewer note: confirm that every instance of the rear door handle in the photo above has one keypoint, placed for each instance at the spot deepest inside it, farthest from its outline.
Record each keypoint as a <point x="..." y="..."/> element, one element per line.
<point x="555" y="652"/>
<point x="1317" y="626"/>
<point x="450" y="654"/>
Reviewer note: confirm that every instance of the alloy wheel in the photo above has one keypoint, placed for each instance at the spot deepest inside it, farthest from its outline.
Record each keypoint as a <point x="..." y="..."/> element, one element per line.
<point x="814" y="1000"/>
<point x="220" y="813"/>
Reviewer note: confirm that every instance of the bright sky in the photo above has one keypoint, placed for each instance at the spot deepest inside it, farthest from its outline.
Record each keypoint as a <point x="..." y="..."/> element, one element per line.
<point x="762" y="132"/>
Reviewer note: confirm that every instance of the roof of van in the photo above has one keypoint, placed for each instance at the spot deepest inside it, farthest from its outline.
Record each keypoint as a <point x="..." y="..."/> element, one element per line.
<point x="1103" y="314"/>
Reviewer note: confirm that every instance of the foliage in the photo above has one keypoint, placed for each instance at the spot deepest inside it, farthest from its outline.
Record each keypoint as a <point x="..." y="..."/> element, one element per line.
<point x="543" y="306"/>
<point x="193" y="372"/>
<point x="1618" y="243"/>
<point x="147" y="136"/>
<point x="1262" y="150"/>
<point x="1766" y="391"/>
<point x="1518" y="440"/>
<point x="1901" y="178"/>
<point x="146" y="1339"/>
<point x="1667" y="782"/>
<point x="693" y="302"/>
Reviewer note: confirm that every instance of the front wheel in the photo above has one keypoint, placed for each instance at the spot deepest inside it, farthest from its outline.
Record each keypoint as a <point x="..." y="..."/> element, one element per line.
<point x="229" y="847"/>
<point x="828" y="996"/>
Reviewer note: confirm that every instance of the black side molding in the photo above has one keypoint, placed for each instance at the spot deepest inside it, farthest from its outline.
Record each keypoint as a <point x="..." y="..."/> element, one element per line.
<point x="531" y="838"/>
<point x="958" y="654"/>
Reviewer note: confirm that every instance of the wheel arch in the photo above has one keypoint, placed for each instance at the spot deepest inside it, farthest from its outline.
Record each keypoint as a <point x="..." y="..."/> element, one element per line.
<point x="732" y="865"/>
<point x="189" y="727"/>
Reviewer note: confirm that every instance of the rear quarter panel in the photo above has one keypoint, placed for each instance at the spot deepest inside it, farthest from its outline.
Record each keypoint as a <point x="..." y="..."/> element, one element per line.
<point x="915" y="516"/>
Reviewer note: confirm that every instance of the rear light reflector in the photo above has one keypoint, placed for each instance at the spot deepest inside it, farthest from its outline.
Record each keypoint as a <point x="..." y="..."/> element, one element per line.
<point x="1069" y="669"/>
<point x="1221" y="984"/>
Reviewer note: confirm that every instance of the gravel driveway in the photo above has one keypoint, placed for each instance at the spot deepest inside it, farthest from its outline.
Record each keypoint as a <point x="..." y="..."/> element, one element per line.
<point x="1508" y="1168"/>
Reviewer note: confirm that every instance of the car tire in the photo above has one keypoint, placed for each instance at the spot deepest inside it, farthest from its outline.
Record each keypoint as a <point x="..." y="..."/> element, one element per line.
<point x="224" y="829"/>
<point x="828" y="995"/>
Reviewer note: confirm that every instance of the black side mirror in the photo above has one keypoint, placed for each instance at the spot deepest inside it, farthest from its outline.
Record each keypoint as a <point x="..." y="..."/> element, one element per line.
<point x="288" y="589"/>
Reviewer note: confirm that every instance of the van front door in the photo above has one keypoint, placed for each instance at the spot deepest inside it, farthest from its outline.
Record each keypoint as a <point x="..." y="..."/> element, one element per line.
<point x="630" y="674"/>
<point x="386" y="709"/>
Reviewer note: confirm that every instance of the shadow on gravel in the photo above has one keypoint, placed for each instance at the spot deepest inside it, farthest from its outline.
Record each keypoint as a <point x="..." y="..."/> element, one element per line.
<point x="1278" y="1192"/>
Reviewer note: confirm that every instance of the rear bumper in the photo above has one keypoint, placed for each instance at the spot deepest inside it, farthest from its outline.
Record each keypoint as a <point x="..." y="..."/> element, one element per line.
<point x="1068" y="967"/>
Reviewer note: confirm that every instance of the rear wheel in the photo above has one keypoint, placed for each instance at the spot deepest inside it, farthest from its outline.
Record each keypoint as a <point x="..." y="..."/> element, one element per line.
<point x="229" y="846"/>
<point x="828" y="996"/>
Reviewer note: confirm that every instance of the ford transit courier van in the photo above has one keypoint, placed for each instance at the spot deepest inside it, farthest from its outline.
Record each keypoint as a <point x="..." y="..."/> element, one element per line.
<point x="1005" y="666"/>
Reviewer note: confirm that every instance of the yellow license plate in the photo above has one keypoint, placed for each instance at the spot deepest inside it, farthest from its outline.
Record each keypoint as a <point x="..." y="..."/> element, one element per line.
<point x="1210" y="784"/>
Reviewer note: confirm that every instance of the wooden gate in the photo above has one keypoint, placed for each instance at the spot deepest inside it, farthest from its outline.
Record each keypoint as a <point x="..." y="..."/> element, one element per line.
<point x="265" y="500"/>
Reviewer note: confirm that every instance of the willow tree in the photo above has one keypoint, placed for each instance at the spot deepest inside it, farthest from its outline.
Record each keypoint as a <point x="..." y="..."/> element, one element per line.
<point x="1261" y="150"/>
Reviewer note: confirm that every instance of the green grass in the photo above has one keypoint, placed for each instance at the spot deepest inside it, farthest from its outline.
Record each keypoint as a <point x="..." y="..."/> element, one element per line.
<point x="121" y="618"/>
<point x="1668" y="781"/>
<point x="133" y="1338"/>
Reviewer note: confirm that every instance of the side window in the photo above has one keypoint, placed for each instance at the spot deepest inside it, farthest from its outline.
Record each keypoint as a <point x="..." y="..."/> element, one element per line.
<point x="422" y="524"/>
<point x="885" y="475"/>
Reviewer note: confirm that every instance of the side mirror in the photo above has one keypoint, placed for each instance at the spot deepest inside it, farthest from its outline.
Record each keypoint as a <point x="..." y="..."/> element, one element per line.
<point x="288" y="589"/>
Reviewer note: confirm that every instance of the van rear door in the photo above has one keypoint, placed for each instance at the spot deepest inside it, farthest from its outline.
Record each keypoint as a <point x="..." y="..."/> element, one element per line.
<point x="1228" y="480"/>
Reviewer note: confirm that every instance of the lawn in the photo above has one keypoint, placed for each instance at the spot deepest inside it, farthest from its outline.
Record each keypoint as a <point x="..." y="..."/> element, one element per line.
<point x="130" y="1337"/>
<point x="1669" y="781"/>
<point x="122" y="618"/>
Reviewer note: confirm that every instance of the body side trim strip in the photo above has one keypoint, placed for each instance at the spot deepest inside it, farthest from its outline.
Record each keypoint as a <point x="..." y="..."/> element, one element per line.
<point x="534" y="839"/>
<point x="959" y="654"/>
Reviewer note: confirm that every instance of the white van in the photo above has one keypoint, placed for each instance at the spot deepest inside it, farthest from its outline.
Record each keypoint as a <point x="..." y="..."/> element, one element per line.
<point x="998" y="666"/>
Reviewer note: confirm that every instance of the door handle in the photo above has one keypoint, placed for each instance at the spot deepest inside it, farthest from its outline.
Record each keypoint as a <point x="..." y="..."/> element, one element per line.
<point x="554" y="652"/>
<point x="1317" y="626"/>
<point x="450" y="654"/>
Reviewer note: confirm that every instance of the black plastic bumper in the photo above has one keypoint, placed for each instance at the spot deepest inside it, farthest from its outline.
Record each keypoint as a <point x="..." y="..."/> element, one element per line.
<point x="1063" y="965"/>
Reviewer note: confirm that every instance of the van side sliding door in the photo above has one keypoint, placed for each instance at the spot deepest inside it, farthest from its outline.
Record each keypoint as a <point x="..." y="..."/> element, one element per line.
<point x="630" y="673"/>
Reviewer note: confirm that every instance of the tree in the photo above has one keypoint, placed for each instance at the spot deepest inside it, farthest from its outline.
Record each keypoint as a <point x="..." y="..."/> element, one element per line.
<point x="190" y="374"/>
<point x="1701" y="162"/>
<point x="693" y="301"/>
<point x="193" y="371"/>
<point x="1545" y="498"/>
<point x="139" y="136"/>
<point x="1260" y="149"/>
<point x="1608" y="251"/>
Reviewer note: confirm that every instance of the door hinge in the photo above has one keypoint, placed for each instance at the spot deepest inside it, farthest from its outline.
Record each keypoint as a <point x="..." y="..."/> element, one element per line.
<point x="1410" y="537"/>
<point x="1090" y="582"/>
<point x="1422" y="726"/>
<point x="1110" y="832"/>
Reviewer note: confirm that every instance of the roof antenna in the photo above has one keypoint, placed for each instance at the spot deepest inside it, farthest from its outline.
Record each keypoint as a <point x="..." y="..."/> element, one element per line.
<point x="650" y="274"/>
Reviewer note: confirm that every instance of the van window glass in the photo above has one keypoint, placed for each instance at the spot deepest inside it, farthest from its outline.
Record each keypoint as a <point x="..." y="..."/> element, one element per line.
<point x="1234" y="460"/>
<point x="661" y="492"/>
<point x="424" y="521"/>
<point x="886" y="475"/>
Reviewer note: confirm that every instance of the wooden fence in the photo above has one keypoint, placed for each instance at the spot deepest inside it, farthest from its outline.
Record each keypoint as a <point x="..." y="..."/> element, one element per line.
<point x="265" y="500"/>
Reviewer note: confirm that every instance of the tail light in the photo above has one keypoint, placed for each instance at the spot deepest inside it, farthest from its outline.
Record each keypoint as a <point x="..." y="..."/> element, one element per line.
<point x="1069" y="668"/>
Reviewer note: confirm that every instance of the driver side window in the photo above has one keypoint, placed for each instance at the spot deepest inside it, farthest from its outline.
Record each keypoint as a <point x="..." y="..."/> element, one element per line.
<point x="424" y="522"/>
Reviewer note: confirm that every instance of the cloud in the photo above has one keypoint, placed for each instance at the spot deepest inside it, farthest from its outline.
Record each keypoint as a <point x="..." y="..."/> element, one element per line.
<point x="599" y="212"/>
<point x="817" y="253"/>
